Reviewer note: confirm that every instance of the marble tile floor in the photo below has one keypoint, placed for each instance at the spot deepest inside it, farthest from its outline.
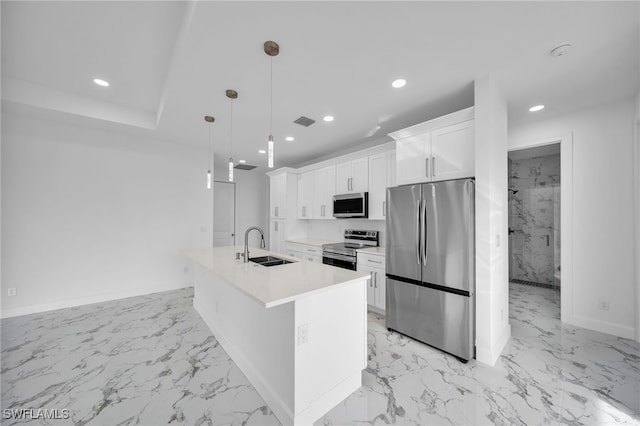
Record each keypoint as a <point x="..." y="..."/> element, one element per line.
<point x="151" y="360"/>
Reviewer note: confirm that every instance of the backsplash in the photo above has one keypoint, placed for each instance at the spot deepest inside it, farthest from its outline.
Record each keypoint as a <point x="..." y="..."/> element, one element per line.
<point x="334" y="229"/>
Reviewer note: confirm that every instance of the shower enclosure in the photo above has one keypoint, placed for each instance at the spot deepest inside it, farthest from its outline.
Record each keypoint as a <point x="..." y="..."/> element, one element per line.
<point x="534" y="220"/>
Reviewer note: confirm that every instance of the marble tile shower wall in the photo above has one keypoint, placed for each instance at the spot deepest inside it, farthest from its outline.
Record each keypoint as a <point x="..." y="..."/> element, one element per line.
<point x="533" y="218"/>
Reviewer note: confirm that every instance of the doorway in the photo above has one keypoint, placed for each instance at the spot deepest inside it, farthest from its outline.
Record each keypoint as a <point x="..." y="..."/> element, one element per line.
<point x="534" y="199"/>
<point x="224" y="213"/>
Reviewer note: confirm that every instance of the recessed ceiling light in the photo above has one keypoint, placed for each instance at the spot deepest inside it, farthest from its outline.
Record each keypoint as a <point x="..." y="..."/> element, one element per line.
<point x="101" y="82"/>
<point x="399" y="83"/>
<point x="289" y="139"/>
<point x="328" y="118"/>
<point x="262" y="151"/>
<point x="242" y="161"/>
<point x="536" y="108"/>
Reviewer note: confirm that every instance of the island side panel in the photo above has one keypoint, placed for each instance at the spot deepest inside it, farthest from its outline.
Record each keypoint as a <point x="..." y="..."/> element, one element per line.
<point x="258" y="340"/>
<point x="329" y="364"/>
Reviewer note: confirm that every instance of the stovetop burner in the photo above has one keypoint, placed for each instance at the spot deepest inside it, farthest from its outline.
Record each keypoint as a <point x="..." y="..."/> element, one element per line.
<point x="353" y="240"/>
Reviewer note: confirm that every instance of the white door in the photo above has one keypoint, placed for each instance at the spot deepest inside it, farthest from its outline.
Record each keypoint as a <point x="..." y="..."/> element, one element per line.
<point x="412" y="159"/>
<point x="360" y="175"/>
<point x="343" y="178"/>
<point x="224" y="209"/>
<point x="452" y="152"/>
<point x="377" y="185"/>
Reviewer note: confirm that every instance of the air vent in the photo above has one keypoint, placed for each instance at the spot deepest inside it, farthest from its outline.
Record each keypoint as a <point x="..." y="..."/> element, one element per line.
<point x="244" y="167"/>
<point x="304" y="121"/>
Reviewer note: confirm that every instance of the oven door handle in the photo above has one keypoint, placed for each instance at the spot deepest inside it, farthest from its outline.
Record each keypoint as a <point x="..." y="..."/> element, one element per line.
<point x="336" y="256"/>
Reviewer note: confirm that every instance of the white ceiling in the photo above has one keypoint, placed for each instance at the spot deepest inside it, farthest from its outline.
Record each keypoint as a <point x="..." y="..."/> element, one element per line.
<point x="169" y="64"/>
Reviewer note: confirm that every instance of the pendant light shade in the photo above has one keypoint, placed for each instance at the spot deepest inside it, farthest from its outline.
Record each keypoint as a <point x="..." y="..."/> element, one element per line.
<point x="231" y="94"/>
<point x="209" y="119"/>
<point x="271" y="48"/>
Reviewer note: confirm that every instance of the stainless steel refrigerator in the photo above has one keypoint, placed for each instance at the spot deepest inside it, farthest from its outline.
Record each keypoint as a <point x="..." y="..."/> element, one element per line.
<point x="430" y="264"/>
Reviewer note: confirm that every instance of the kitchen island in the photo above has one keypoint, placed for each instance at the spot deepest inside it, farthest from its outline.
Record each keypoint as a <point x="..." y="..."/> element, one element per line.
<point x="297" y="331"/>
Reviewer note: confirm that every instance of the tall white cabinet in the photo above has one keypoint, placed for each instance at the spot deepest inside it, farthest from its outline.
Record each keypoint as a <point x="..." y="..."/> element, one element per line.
<point x="283" y="203"/>
<point x="381" y="176"/>
<point x="436" y="150"/>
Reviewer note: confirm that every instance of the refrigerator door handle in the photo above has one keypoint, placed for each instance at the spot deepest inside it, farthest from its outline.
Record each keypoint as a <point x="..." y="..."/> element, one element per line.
<point x="418" y="239"/>
<point x="424" y="233"/>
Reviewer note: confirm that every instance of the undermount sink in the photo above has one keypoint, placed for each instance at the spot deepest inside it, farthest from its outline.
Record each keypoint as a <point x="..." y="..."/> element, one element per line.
<point x="269" y="260"/>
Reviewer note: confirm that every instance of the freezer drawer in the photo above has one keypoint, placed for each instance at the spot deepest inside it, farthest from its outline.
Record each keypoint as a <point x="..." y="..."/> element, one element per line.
<point x="440" y="319"/>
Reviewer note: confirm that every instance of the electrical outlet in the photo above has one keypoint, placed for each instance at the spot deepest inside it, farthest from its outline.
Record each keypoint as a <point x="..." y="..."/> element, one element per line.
<point x="12" y="291"/>
<point x="604" y="305"/>
<point x="186" y="269"/>
<point x="203" y="229"/>
<point x="303" y="334"/>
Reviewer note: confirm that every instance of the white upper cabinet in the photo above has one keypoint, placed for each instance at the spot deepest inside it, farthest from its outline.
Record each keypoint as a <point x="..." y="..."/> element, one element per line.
<point x="305" y="195"/>
<point x="278" y="196"/>
<point x="439" y="149"/>
<point x="352" y="176"/>
<point x="380" y="178"/>
<point x="453" y="152"/>
<point x="324" y="188"/>
<point x="412" y="156"/>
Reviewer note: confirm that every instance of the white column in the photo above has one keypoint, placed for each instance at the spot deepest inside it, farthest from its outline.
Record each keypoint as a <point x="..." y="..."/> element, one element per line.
<point x="492" y="283"/>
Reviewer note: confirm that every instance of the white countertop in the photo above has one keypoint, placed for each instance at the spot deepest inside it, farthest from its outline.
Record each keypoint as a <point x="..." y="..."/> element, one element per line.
<point x="274" y="285"/>
<point x="312" y="241"/>
<point x="372" y="250"/>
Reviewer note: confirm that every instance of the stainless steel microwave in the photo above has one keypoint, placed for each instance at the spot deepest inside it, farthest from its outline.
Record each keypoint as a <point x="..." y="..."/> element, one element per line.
<point x="351" y="205"/>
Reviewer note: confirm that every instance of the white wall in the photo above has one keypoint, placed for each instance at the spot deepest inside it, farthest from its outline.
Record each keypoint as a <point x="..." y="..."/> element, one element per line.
<point x="492" y="257"/>
<point x="90" y="215"/>
<point x="603" y="211"/>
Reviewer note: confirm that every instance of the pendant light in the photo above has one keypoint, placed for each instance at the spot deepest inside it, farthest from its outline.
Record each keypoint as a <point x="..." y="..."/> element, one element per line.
<point x="209" y="119"/>
<point x="272" y="49"/>
<point x="231" y="94"/>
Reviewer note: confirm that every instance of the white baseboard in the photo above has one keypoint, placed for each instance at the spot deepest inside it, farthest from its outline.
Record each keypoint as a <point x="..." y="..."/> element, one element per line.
<point x="86" y="300"/>
<point x="602" y="326"/>
<point x="490" y="355"/>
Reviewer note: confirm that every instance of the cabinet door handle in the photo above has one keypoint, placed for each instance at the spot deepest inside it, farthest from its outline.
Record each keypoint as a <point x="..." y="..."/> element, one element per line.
<point x="375" y="281"/>
<point x="426" y="166"/>
<point x="374" y="261"/>
<point x="276" y="212"/>
<point x="304" y="211"/>
<point x="275" y="225"/>
<point x="433" y="166"/>
<point x="384" y="208"/>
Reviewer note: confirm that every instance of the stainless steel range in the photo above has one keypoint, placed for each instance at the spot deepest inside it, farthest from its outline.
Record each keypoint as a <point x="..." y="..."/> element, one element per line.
<point x="343" y="255"/>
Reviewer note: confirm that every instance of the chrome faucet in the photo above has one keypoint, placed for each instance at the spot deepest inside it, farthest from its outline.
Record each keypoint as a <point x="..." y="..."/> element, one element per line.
<point x="246" y="241"/>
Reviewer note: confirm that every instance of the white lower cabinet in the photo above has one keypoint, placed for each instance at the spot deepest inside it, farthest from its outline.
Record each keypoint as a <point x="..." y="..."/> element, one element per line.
<point x="376" y="286"/>
<point x="304" y="251"/>
<point x="312" y="253"/>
